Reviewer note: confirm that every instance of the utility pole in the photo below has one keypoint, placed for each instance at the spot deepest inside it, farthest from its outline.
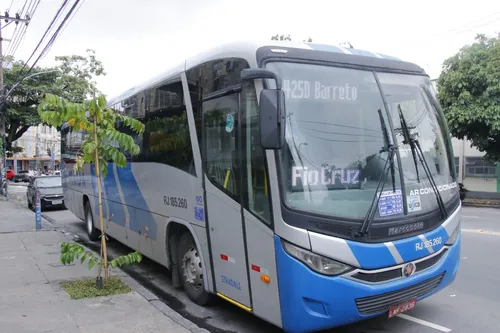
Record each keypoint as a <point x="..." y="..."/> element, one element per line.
<point x="3" y="102"/>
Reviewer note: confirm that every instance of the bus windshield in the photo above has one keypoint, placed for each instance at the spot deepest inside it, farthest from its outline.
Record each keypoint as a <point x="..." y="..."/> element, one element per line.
<point x="335" y="149"/>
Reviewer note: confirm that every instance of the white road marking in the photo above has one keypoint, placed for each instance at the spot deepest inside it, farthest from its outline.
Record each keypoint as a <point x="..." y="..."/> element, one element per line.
<point x="425" y="323"/>
<point x="471" y="217"/>
<point x="482" y="231"/>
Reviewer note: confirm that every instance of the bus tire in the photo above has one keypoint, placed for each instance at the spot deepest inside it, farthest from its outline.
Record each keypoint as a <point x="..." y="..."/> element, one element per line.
<point x="191" y="270"/>
<point x="92" y="232"/>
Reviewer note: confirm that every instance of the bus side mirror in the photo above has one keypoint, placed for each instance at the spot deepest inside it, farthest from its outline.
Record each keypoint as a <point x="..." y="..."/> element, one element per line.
<point x="272" y="112"/>
<point x="272" y="118"/>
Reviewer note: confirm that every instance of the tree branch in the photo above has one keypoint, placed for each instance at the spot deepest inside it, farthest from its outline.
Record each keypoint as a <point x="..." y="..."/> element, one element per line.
<point x="14" y="124"/>
<point x="20" y="132"/>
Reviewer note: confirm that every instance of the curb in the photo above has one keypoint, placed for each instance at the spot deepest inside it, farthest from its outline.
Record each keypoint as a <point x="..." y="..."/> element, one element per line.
<point x="471" y="204"/>
<point x="137" y="287"/>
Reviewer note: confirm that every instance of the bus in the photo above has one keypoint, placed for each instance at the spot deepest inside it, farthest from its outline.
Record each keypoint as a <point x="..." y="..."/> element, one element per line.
<point x="311" y="185"/>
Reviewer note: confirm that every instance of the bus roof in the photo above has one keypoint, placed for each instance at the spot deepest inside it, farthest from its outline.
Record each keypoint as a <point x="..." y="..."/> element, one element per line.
<point x="246" y="50"/>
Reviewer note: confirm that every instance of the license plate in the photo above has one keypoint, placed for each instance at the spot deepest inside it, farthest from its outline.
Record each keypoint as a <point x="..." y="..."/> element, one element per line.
<point x="397" y="309"/>
<point x="57" y="202"/>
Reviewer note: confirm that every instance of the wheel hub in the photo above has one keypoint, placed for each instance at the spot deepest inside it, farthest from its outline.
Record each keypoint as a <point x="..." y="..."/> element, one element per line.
<point x="192" y="268"/>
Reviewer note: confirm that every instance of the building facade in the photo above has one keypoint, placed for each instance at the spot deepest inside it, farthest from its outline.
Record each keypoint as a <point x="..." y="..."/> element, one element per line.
<point x="41" y="150"/>
<point x="475" y="173"/>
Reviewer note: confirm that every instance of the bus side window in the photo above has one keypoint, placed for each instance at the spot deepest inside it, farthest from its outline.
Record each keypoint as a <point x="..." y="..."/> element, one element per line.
<point x="256" y="197"/>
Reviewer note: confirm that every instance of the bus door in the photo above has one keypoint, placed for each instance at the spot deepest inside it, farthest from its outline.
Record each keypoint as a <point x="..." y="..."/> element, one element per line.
<point x="223" y="183"/>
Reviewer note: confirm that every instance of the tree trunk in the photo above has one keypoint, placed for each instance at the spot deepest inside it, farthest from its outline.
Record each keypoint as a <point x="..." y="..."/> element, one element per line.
<point x="104" y="251"/>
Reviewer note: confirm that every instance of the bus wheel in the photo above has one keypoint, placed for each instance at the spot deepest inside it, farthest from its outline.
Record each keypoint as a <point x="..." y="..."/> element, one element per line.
<point x="92" y="232"/>
<point x="191" y="269"/>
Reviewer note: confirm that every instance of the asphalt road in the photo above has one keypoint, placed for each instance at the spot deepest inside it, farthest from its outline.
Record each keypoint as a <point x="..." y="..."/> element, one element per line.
<point x="469" y="305"/>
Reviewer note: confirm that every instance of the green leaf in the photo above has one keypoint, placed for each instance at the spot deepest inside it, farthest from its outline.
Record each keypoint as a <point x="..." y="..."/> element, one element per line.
<point x="102" y="101"/>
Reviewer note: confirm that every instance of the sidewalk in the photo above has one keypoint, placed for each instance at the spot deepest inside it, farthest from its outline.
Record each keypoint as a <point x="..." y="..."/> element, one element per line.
<point x="31" y="299"/>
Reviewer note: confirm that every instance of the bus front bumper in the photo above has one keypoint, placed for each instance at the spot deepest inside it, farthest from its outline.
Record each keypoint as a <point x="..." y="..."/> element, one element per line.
<point x="312" y="302"/>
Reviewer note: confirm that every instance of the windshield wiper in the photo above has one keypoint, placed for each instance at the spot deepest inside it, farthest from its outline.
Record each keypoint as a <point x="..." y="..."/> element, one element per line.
<point x="408" y="140"/>
<point x="416" y="149"/>
<point x="387" y="146"/>
<point x="391" y="150"/>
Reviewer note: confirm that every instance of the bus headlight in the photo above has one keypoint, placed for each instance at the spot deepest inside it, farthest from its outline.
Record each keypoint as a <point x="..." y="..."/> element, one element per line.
<point x="454" y="235"/>
<point x="316" y="262"/>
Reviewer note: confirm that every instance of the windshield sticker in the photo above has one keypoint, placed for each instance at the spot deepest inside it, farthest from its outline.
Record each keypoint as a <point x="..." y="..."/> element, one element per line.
<point x="390" y="203"/>
<point x="326" y="177"/>
<point x="429" y="190"/>
<point x="303" y="89"/>
<point x="229" y="123"/>
<point x="414" y="204"/>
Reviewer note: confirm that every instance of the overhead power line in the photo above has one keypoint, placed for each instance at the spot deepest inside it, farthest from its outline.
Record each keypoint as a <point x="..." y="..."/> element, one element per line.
<point x="18" y="35"/>
<point x="22" y="76"/>
<point x="46" y="32"/>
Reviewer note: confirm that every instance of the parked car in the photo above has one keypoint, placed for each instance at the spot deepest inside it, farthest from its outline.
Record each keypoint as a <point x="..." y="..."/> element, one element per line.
<point x="23" y="176"/>
<point x="51" y="192"/>
<point x="9" y="174"/>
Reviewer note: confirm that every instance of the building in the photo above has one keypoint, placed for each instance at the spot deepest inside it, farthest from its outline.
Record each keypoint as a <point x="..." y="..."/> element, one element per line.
<point x="475" y="173"/>
<point x="41" y="149"/>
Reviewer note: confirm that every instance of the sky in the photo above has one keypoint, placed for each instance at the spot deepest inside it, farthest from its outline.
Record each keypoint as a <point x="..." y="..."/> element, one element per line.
<point x="138" y="39"/>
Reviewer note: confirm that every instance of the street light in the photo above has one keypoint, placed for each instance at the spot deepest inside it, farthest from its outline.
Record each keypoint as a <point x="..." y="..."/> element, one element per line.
<point x="27" y="77"/>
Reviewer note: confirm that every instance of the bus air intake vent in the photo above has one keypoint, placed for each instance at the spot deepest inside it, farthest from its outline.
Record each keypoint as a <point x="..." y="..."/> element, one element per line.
<point x="425" y="264"/>
<point x="382" y="303"/>
<point x="379" y="276"/>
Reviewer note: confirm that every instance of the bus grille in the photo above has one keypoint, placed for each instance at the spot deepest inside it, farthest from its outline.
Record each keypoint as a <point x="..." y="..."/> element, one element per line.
<point x="382" y="303"/>
<point x="391" y="274"/>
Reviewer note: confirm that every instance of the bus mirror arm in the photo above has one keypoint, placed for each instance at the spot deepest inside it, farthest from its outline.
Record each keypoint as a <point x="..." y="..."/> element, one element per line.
<point x="260" y="73"/>
<point x="272" y="112"/>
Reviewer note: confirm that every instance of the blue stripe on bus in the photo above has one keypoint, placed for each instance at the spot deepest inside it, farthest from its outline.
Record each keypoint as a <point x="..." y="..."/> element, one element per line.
<point x="409" y="250"/>
<point x="372" y="256"/>
<point x="94" y="185"/>
<point x="142" y="220"/>
<point x="311" y="302"/>
<point x="116" y="213"/>
<point x="116" y="208"/>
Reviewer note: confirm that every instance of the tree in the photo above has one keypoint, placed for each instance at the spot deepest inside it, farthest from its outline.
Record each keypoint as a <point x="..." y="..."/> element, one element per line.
<point x="287" y="37"/>
<point x="104" y="144"/>
<point x="469" y="92"/>
<point x="72" y="79"/>
<point x="14" y="150"/>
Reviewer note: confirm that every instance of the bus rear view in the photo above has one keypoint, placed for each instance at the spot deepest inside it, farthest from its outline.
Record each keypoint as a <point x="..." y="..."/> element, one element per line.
<point x="368" y="193"/>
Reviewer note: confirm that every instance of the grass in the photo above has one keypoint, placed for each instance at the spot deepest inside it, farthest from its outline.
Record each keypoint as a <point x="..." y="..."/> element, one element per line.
<point x="87" y="288"/>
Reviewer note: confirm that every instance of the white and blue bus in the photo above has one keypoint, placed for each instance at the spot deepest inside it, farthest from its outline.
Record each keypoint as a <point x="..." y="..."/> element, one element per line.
<point x="311" y="185"/>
